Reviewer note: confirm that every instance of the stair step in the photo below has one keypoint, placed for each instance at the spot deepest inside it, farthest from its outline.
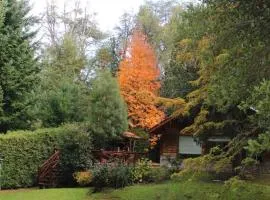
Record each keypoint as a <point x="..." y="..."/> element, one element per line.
<point x="49" y="173"/>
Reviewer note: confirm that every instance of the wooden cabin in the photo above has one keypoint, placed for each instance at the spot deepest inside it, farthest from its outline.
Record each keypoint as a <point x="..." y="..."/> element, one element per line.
<point x="172" y="144"/>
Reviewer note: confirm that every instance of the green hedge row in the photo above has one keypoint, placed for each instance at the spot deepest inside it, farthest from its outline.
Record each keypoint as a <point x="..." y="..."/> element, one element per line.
<point x="24" y="151"/>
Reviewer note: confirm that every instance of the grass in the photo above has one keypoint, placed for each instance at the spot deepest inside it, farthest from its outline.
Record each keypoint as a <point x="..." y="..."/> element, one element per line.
<point x="166" y="191"/>
<point x="45" y="194"/>
<point x="186" y="191"/>
<point x="264" y="179"/>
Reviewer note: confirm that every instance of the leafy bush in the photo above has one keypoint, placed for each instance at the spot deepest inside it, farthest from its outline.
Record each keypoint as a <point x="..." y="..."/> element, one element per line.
<point x="121" y="176"/>
<point x="207" y="167"/>
<point x="194" y="169"/>
<point x="248" y="169"/>
<point x="191" y="176"/>
<point x="100" y="177"/>
<point x="83" y="178"/>
<point x="25" y="151"/>
<point x="142" y="170"/>
<point x="116" y="175"/>
<point x="236" y="189"/>
<point x="158" y="174"/>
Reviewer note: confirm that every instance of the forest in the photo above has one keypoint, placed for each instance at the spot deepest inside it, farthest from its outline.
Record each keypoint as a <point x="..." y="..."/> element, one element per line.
<point x="65" y="83"/>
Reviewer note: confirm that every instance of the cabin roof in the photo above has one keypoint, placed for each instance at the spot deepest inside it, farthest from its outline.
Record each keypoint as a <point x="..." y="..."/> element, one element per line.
<point x="161" y="124"/>
<point x="178" y="122"/>
<point x="131" y="135"/>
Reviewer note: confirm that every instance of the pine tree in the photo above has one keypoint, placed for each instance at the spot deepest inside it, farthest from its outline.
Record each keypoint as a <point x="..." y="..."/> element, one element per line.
<point x="227" y="47"/>
<point x="2" y="12"/>
<point x="108" y="112"/>
<point x="61" y="96"/>
<point x="18" y="67"/>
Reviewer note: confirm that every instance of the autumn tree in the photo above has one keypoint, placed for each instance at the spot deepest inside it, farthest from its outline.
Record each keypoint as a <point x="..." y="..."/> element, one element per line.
<point x="138" y="79"/>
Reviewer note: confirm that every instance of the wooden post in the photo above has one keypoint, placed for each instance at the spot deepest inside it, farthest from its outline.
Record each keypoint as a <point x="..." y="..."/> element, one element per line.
<point x="134" y="143"/>
<point x="130" y="144"/>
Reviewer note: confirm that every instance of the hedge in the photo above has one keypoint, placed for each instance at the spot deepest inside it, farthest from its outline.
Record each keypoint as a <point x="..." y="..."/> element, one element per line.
<point x="24" y="151"/>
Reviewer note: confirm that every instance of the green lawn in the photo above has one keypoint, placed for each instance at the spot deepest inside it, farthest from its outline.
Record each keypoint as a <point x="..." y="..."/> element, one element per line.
<point x="45" y="194"/>
<point x="185" y="191"/>
<point x="165" y="191"/>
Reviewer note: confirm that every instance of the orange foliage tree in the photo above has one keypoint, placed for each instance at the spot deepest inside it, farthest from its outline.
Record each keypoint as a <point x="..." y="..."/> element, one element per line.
<point x="138" y="79"/>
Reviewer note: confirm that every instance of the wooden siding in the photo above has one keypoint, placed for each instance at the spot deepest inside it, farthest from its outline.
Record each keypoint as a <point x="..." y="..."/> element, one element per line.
<point x="169" y="144"/>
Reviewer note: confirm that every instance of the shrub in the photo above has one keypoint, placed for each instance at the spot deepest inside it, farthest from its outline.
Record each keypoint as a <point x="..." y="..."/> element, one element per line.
<point x="194" y="169"/>
<point x="191" y="176"/>
<point x="158" y="174"/>
<point x="100" y="177"/>
<point x="237" y="189"/>
<point x="248" y="169"/>
<point x="121" y="176"/>
<point x="25" y="151"/>
<point x="174" y="164"/>
<point x="116" y="175"/>
<point x="142" y="170"/>
<point x="83" y="178"/>
<point x="205" y="168"/>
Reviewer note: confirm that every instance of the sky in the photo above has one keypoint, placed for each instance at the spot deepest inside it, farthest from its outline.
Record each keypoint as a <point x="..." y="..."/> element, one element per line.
<point x="107" y="12"/>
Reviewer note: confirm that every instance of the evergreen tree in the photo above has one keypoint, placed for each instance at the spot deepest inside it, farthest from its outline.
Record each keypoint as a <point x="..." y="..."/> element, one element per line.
<point x="225" y="42"/>
<point x="2" y="11"/>
<point x="108" y="112"/>
<point x="61" y="97"/>
<point x="108" y="56"/>
<point x="18" y="67"/>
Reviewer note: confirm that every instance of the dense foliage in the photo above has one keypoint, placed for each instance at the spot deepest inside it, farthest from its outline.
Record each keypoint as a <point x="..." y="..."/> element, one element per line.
<point x="24" y="151"/>
<point x="18" y="67"/>
<point x="115" y="175"/>
<point x="61" y="97"/>
<point x="138" y="80"/>
<point x="218" y="64"/>
<point x="108" y="112"/>
<point x="119" y="175"/>
<point x="83" y="178"/>
<point x="211" y="59"/>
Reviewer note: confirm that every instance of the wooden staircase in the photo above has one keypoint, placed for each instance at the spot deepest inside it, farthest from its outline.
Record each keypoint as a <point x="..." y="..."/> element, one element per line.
<point x="49" y="173"/>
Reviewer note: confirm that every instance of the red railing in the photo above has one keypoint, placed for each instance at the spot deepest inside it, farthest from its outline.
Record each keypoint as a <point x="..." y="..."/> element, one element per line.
<point x="47" y="169"/>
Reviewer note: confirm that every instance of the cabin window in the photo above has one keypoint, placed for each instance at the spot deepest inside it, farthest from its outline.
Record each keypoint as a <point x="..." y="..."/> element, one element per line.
<point x="187" y="145"/>
<point x="220" y="142"/>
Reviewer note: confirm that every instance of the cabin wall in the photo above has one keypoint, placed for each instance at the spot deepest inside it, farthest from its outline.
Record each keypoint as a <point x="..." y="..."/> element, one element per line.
<point x="168" y="146"/>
